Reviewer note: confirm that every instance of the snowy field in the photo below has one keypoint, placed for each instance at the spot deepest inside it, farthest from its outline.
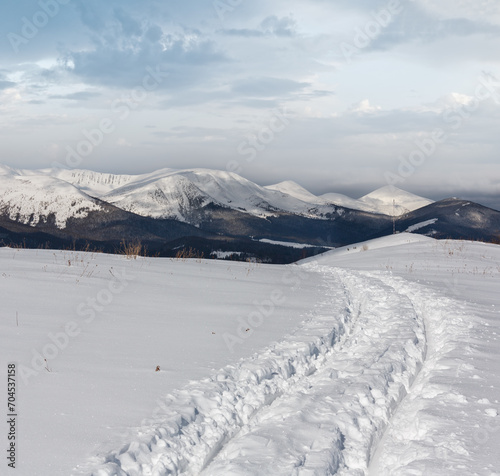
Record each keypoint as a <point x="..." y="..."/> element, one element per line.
<point x="381" y="358"/>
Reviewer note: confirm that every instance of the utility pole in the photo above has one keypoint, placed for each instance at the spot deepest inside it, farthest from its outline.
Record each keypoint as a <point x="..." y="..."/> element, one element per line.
<point x="393" y="217"/>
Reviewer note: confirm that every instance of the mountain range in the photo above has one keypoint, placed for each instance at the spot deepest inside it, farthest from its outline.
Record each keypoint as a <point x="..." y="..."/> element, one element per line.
<point x="215" y="212"/>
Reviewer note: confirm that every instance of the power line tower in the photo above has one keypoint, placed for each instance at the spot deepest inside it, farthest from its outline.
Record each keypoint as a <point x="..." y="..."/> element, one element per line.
<point x="393" y="217"/>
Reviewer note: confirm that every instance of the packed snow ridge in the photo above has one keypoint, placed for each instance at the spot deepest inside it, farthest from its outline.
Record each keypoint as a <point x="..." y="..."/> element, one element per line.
<point x="169" y="193"/>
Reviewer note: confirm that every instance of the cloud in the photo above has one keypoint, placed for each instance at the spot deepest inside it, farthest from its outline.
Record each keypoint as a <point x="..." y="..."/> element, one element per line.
<point x="194" y="98"/>
<point x="364" y="107"/>
<point x="128" y="24"/>
<point x="90" y="16"/>
<point x="265" y="104"/>
<point x="123" y="64"/>
<point x="267" y="87"/>
<point x="244" y="32"/>
<point x="270" y="26"/>
<point x="4" y="82"/>
<point x="23" y="41"/>
<point x="78" y="96"/>
<point x="153" y="33"/>
<point x="284" y="26"/>
<point x="320" y="93"/>
<point x="415" y="23"/>
<point x="348" y="122"/>
<point x="7" y="84"/>
<point x="187" y="132"/>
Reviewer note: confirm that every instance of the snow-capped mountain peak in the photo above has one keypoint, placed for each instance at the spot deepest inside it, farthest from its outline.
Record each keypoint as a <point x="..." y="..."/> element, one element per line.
<point x="32" y="199"/>
<point x="391" y="200"/>
<point x="289" y="187"/>
<point x="31" y="196"/>
<point x="6" y="170"/>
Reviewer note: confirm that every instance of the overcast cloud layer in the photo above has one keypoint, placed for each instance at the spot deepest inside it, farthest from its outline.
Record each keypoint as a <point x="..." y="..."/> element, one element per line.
<point x="340" y="96"/>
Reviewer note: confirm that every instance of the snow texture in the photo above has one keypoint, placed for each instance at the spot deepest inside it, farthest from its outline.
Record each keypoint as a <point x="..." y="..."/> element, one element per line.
<point x="286" y="243"/>
<point x="33" y="199"/>
<point x="169" y="193"/>
<point x="374" y="359"/>
<point x="420" y="225"/>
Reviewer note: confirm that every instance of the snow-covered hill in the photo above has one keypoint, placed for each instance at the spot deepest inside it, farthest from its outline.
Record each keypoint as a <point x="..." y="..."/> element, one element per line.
<point x="96" y="184"/>
<point x="175" y="194"/>
<point x="388" y="200"/>
<point x="33" y="199"/>
<point x="374" y="359"/>
<point x="178" y="193"/>
<point x="391" y="200"/>
<point x="293" y="189"/>
<point x="6" y="170"/>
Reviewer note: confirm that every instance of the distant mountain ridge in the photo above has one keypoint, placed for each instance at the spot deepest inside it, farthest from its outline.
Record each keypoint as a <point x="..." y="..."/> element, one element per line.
<point x="31" y="200"/>
<point x="216" y="213"/>
<point x="175" y="194"/>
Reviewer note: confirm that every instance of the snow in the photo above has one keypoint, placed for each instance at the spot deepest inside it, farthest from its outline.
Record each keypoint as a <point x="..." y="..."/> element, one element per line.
<point x="174" y="194"/>
<point x="392" y="198"/>
<point x="422" y="224"/>
<point x="94" y="183"/>
<point x="168" y="312"/>
<point x="168" y="197"/>
<point x="32" y="199"/>
<point x="225" y="254"/>
<point x="6" y="170"/>
<point x="286" y="243"/>
<point x="378" y="358"/>
<point x="169" y="193"/>
<point x="293" y="189"/>
<point x="345" y="201"/>
<point x="388" y="200"/>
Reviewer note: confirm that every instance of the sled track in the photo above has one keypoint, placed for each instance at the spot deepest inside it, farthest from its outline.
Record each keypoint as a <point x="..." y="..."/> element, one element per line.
<point x="316" y="403"/>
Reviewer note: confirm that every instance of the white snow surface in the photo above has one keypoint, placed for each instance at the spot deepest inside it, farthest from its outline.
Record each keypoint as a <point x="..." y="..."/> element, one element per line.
<point x="172" y="194"/>
<point x="393" y="201"/>
<point x="225" y="254"/>
<point x="422" y="224"/>
<point x="94" y="183"/>
<point x="169" y="193"/>
<point x="380" y="358"/>
<point x="286" y="243"/>
<point x="388" y="200"/>
<point x="31" y="199"/>
<point x="289" y="187"/>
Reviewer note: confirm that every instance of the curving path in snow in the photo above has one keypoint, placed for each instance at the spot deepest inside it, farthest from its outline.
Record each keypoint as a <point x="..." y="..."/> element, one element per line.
<point x="330" y="421"/>
<point x="315" y="403"/>
<point x="418" y="435"/>
<point x="391" y="365"/>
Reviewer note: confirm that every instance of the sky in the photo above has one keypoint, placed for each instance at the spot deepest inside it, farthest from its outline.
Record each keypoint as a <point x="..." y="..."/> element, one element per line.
<point x="340" y="96"/>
